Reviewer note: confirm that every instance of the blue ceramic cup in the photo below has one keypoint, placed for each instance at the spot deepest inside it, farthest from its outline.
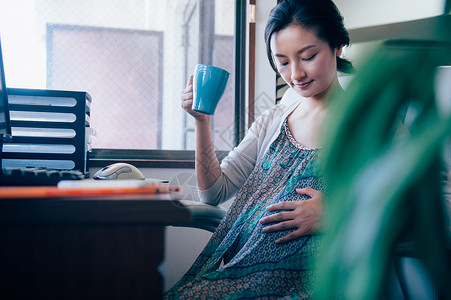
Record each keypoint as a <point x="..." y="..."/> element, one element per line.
<point x="209" y="84"/>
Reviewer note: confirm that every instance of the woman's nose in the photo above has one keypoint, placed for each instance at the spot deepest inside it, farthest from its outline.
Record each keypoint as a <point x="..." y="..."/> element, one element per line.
<point x="297" y="72"/>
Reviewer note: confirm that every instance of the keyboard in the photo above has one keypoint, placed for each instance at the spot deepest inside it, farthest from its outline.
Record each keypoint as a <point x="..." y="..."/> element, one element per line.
<point x="36" y="176"/>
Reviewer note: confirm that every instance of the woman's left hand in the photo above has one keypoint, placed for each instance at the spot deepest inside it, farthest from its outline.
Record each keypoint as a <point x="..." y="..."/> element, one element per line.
<point x="303" y="215"/>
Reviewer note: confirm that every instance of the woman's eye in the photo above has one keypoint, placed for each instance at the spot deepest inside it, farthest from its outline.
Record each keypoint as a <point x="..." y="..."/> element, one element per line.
<point x="283" y="63"/>
<point x="309" y="58"/>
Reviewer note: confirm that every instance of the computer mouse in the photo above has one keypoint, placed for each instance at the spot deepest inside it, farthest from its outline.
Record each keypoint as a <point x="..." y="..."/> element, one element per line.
<point x="119" y="171"/>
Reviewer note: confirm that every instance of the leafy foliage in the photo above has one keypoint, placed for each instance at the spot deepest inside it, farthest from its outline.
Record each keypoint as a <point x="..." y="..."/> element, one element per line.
<point x="384" y="175"/>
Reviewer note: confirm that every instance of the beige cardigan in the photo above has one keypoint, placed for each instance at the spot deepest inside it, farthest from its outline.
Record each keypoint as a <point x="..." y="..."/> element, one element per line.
<point x="240" y="162"/>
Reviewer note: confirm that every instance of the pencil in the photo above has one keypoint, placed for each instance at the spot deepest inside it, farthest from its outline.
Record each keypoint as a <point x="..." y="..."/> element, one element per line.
<point x="53" y="192"/>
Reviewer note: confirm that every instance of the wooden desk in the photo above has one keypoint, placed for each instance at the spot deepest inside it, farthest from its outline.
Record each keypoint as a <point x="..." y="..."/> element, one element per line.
<point x="84" y="248"/>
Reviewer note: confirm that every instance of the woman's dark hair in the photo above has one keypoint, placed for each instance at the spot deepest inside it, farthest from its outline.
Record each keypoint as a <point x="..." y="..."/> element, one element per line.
<point x="322" y="16"/>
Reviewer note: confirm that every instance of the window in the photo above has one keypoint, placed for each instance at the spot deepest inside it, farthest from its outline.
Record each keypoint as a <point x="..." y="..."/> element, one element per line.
<point x="133" y="57"/>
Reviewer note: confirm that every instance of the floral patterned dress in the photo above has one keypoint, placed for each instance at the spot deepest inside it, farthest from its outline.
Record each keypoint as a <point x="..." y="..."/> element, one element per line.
<point x="241" y="261"/>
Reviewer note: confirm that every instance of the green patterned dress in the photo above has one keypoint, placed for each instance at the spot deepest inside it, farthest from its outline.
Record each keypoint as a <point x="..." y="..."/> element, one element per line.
<point x="241" y="261"/>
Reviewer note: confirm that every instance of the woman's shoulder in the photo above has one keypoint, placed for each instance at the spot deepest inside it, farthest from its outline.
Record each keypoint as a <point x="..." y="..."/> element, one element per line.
<point x="290" y="96"/>
<point x="271" y="120"/>
<point x="287" y="103"/>
<point x="281" y="109"/>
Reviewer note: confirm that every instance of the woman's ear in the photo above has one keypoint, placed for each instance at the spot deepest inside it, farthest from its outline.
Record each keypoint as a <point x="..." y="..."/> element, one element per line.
<point x="338" y="51"/>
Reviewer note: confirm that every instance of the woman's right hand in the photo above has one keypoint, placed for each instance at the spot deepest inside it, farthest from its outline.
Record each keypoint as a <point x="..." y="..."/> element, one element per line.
<point x="187" y="102"/>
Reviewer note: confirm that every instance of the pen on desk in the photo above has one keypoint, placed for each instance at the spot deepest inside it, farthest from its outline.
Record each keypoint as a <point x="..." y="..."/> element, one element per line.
<point x="41" y="192"/>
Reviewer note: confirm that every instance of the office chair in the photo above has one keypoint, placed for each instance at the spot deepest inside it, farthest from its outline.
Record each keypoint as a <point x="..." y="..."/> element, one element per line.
<point x="203" y="216"/>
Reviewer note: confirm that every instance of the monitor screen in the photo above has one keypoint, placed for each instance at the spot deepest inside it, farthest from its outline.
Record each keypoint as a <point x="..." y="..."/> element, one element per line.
<point x="5" y="125"/>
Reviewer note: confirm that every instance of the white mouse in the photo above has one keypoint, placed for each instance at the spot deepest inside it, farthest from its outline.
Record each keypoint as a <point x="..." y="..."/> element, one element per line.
<point x="119" y="171"/>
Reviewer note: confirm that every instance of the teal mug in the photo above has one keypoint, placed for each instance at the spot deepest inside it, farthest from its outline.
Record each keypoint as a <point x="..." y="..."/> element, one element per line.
<point x="209" y="84"/>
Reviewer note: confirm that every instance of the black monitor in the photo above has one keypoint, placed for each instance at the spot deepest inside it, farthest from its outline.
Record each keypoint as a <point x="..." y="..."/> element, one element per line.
<point x="5" y="124"/>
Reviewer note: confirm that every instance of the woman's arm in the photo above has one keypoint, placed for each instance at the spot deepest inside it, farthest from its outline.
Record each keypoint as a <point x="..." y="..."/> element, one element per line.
<point x="208" y="169"/>
<point x="217" y="183"/>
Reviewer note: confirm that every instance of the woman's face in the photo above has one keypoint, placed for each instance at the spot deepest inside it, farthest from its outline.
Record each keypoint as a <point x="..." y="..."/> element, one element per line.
<point x="304" y="61"/>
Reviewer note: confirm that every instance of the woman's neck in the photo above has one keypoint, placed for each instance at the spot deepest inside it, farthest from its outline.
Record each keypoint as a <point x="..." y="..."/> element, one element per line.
<point x="333" y="87"/>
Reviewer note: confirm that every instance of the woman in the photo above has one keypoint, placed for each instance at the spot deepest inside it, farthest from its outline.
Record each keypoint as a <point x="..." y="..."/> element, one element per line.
<point x="265" y="242"/>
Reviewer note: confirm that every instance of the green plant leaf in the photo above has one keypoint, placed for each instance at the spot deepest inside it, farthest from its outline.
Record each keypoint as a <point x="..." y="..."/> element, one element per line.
<point x="383" y="187"/>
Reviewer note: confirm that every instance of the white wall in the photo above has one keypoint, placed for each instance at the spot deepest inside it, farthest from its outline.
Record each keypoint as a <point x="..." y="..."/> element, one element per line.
<point x="364" y="13"/>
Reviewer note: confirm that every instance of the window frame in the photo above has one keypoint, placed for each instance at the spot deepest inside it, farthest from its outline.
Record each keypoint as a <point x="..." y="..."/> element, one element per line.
<point x="156" y="158"/>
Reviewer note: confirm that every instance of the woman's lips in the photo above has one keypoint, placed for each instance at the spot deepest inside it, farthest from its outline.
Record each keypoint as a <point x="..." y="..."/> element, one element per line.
<point x="303" y="85"/>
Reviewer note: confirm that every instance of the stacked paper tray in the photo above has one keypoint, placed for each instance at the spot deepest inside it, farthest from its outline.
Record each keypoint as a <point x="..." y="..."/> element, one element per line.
<point x="50" y="129"/>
